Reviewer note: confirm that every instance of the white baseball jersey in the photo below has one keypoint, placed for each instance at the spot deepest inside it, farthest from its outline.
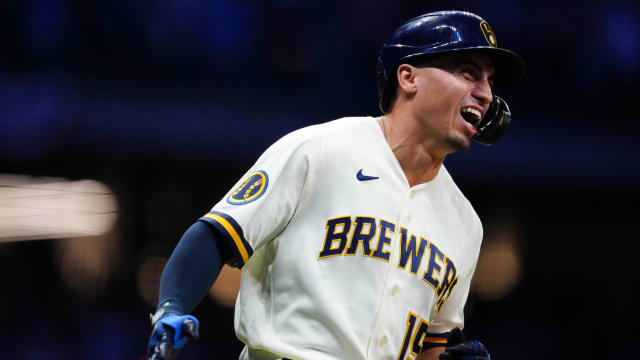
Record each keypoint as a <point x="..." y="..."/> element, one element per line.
<point x="341" y="258"/>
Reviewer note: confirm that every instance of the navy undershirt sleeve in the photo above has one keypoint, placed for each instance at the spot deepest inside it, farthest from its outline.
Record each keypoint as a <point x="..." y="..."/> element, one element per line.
<point x="192" y="268"/>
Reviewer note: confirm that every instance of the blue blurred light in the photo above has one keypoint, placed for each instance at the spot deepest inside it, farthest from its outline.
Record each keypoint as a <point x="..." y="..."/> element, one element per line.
<point x="621" y="31"/>
<point x="45" y="24"/>
<point x="36" y="117"/>
<point x="504" y="12"/>
<point x="230" y="30"/>
<point x="174" y="26"/>
<point x="199" y="31"/>
<point x="290" y="3"/>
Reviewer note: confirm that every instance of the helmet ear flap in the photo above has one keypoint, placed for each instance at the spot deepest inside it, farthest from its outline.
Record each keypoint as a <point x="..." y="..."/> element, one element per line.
<point x="386" y="87"/>
<point x="387" y="96"/>
<point x="495" y="122"/>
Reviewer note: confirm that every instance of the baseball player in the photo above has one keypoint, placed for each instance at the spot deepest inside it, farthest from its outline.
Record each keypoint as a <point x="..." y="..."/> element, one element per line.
<point x="353" y="239"/>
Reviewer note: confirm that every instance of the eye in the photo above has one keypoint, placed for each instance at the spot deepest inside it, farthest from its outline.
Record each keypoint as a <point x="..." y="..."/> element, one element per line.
<point x="491" y="79"/>
<point x="469" y="73"/>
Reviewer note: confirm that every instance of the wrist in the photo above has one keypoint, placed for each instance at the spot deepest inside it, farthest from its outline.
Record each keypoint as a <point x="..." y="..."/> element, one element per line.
<point x="171" y="306"/>
<point x="166" y="308"/>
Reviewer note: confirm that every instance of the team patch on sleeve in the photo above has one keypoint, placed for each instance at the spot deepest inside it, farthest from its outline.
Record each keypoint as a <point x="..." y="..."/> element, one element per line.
<point x="232" y="231"/>
<point x="251" y="189"/>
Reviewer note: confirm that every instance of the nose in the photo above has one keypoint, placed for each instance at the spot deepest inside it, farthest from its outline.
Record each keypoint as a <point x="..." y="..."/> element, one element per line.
<point x="482" y="92"/>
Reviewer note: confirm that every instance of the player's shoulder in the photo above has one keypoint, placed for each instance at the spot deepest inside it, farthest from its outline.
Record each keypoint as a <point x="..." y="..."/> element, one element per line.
<point x="351" y="123"/>
<point x="452" y="187"/>
<point x="336" y="128"/>
<point x="341" y="125"/>
<point x="457" y="198"/>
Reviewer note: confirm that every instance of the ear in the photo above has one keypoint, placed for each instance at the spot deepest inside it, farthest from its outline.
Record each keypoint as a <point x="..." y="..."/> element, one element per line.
<point x="406" y="75"/>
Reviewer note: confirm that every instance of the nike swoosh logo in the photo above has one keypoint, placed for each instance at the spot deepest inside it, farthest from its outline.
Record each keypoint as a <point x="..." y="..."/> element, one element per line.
<point x="362" y="177"/>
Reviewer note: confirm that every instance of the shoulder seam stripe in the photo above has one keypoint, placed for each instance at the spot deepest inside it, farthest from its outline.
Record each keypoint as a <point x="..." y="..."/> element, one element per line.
<point x="234" y="235"/>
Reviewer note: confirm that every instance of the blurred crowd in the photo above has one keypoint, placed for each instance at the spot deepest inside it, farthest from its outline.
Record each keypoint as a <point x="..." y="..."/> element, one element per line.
<point x="167" y="103"/>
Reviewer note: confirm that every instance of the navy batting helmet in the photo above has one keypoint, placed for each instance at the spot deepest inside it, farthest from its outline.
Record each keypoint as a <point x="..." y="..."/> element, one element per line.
<point x="438" y="33"/>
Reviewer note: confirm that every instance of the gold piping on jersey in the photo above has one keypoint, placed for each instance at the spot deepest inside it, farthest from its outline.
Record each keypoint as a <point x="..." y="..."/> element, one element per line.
<point x="233" y="233"/>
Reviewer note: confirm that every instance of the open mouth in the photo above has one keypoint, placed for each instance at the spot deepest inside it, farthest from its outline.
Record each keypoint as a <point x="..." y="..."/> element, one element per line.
<point x="471" y="115"/>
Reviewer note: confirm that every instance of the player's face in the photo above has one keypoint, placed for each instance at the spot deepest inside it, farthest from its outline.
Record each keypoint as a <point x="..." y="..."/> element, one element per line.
<point x="453" y="94"/>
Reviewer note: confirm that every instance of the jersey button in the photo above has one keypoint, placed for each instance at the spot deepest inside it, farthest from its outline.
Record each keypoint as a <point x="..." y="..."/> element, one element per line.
<point x="411" y="194"/>
<point x="394" y="290"/>
<point x="383" y="341"/>
<point x="408" y="218"/>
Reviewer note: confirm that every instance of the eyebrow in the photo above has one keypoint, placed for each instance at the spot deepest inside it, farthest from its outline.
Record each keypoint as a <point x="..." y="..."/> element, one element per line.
<point x="474" y="64"/>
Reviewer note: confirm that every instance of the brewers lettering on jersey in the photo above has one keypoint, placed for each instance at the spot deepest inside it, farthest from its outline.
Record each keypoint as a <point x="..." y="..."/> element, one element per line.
<point x="353" y="239"/>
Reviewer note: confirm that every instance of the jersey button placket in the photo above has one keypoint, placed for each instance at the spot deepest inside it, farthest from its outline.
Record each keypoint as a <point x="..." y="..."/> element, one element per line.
<point x="405" y="216"/>
<point x="381" y="329"/>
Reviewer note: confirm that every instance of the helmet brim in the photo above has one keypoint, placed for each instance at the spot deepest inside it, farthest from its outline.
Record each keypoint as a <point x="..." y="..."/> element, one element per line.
<point x="509" y="67"/>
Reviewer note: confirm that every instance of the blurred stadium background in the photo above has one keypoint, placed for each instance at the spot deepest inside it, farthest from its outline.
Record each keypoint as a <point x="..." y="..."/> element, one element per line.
<point x="121" y="122"/>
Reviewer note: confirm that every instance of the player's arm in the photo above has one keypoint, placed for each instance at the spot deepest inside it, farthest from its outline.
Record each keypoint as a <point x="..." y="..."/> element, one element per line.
<point x="431" y="354"/>
<point x="433" y="345"/>
<point x="192" y="268"/>
<point x="457" y="348"/>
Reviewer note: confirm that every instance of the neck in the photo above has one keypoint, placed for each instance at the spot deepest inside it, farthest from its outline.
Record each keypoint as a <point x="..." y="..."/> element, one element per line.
<point x="417" y="155"/>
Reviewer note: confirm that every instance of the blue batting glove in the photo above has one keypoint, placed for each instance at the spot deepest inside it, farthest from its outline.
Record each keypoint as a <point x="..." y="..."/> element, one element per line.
<point x="458" y="348"/>
<point x="170" y="333"/>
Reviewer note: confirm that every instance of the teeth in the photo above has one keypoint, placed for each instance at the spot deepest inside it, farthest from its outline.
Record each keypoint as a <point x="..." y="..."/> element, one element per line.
<point x="472" y="111"/>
